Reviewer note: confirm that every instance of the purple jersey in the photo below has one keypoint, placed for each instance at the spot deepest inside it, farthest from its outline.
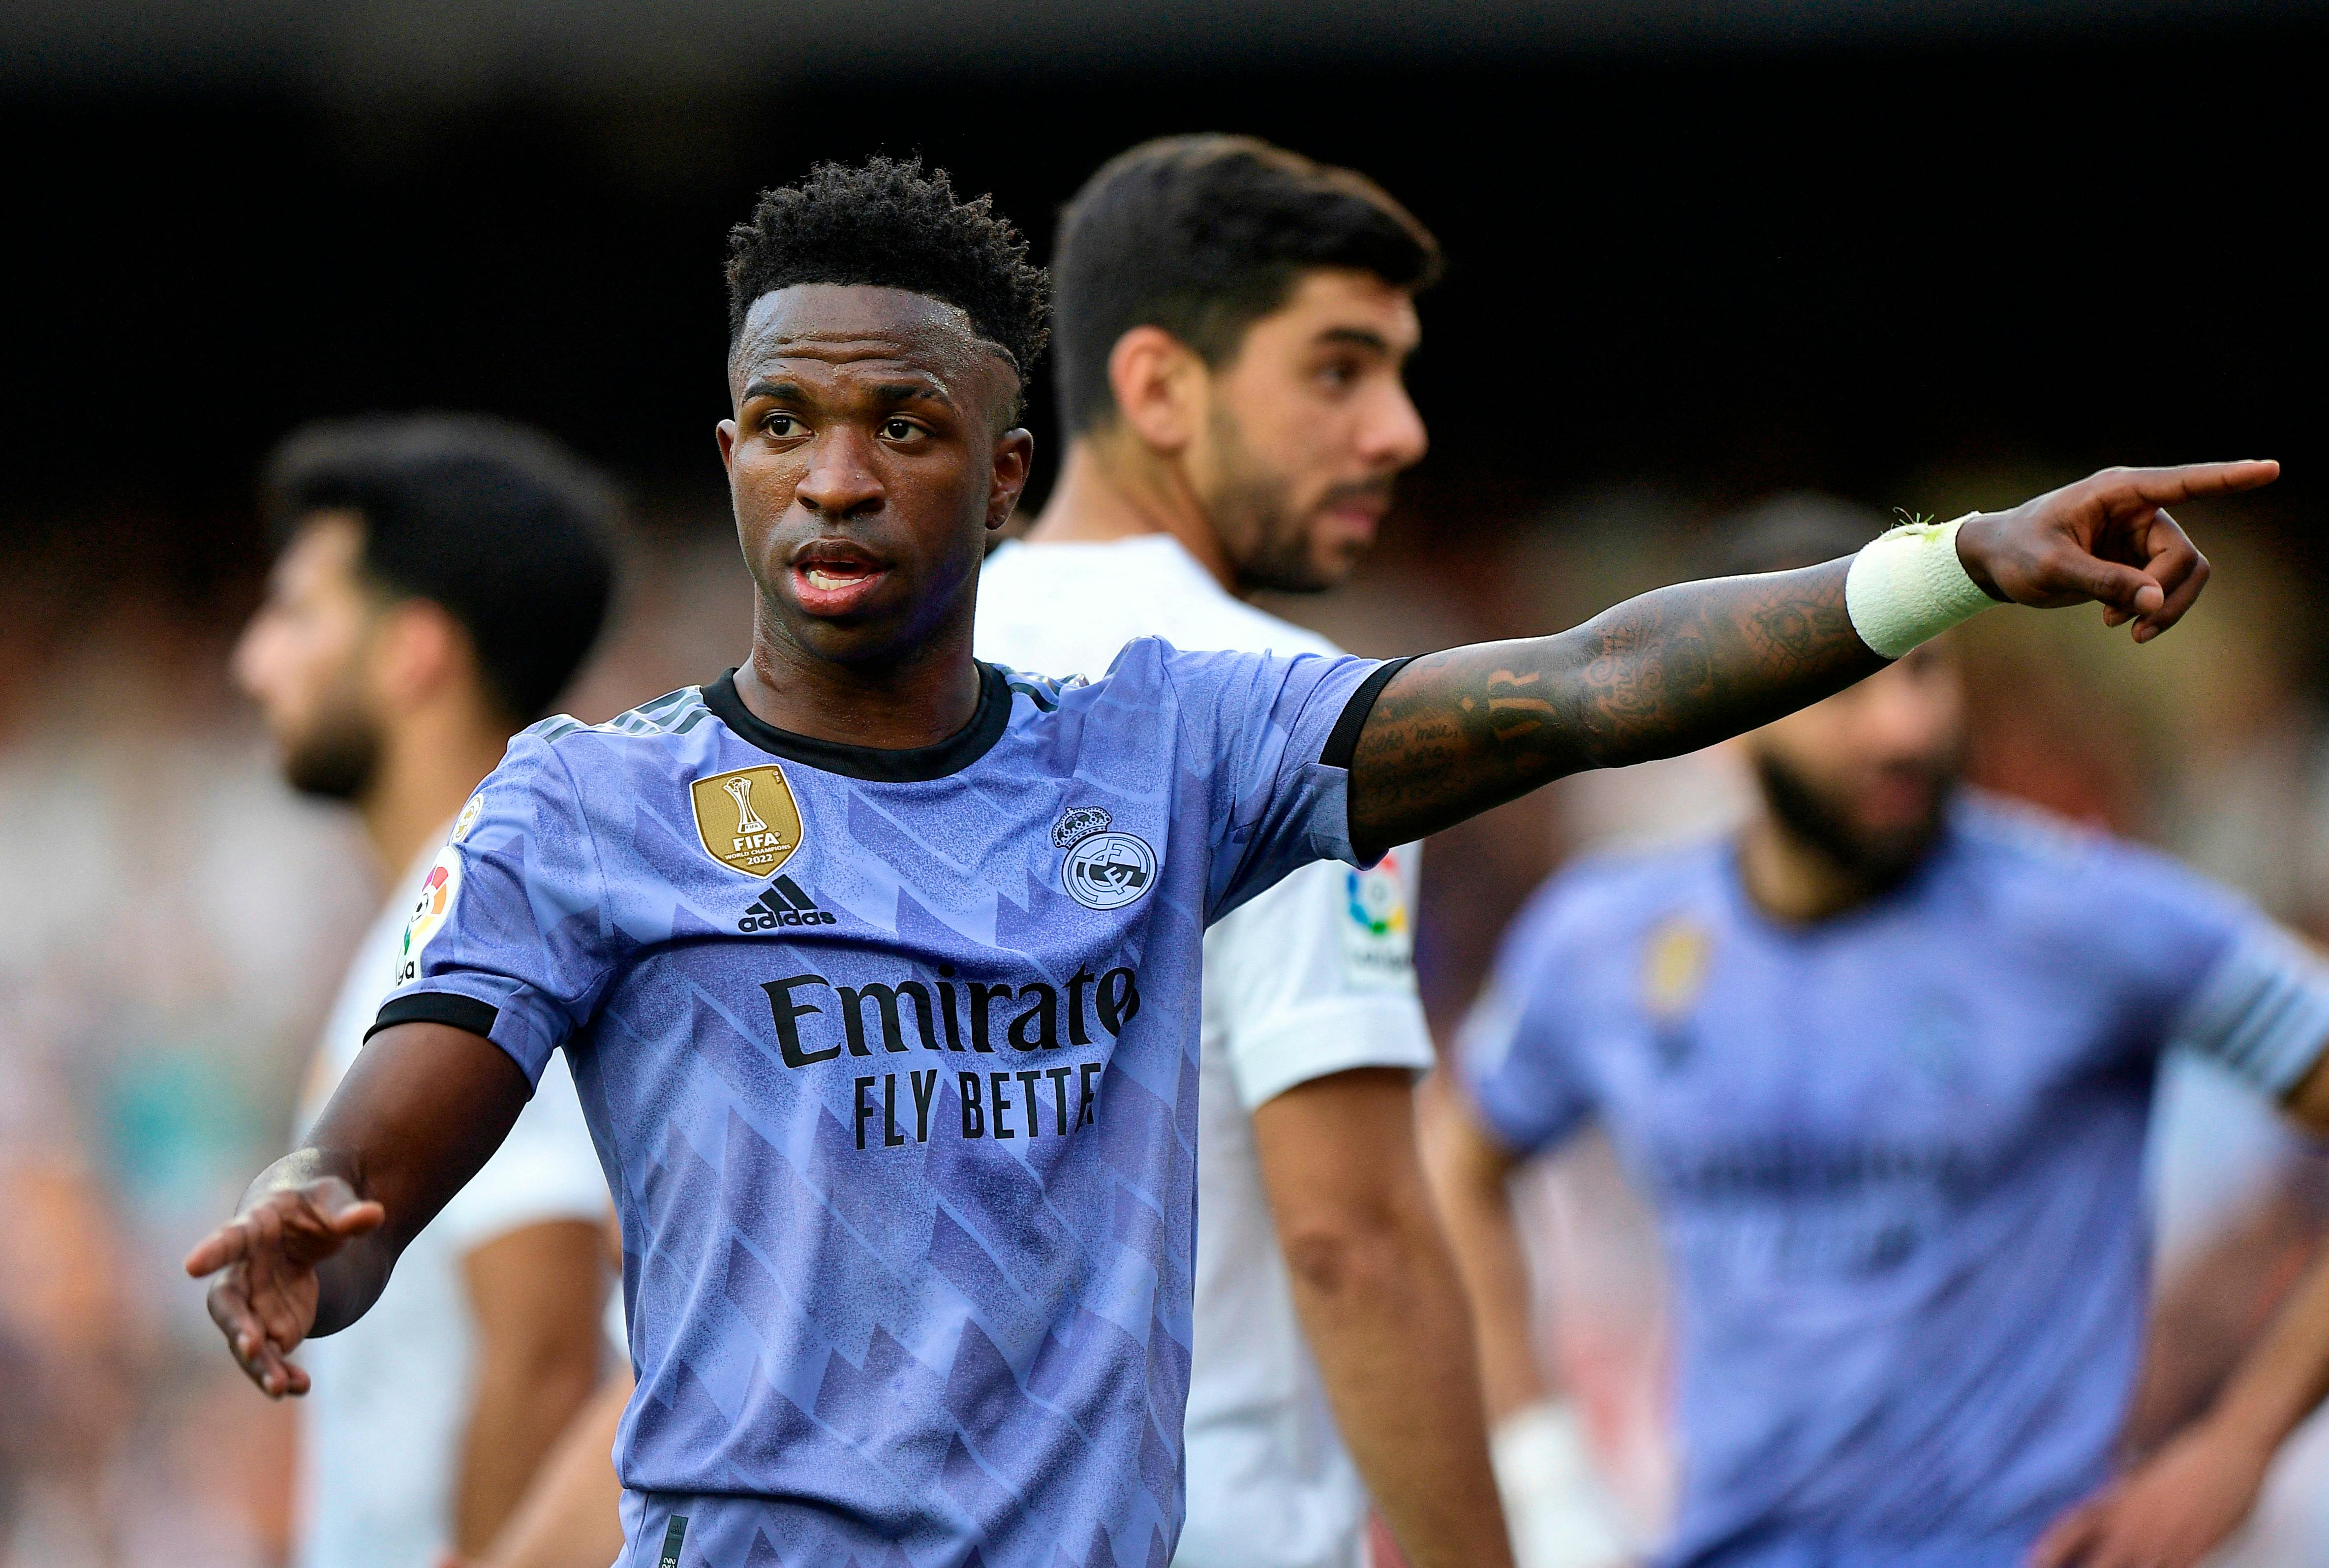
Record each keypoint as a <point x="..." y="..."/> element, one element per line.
<point x="891" y="1059"/>
<point x="1895" y="1157"/>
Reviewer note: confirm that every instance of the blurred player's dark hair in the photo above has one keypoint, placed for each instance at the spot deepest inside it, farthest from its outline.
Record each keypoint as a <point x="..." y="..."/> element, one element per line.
<point x="889" y="223"/>
<point x="505" y="529"/>
<point x="1784" y="532"/>
<point x="1202" y="236"/>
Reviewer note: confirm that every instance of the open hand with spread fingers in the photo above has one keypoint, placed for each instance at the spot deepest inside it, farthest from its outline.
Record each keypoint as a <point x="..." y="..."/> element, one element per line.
<point x="2108" y="538"/>
<point x="265" y="1296"/>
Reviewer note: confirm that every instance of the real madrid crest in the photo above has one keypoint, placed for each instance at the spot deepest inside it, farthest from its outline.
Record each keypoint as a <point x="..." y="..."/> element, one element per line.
<point x="747" y="819"/>
<point x="1104" y="869"/>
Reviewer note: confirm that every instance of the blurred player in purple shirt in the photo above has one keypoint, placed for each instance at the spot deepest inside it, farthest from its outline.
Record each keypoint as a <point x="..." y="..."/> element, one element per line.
<point x="1883" y="1064"/>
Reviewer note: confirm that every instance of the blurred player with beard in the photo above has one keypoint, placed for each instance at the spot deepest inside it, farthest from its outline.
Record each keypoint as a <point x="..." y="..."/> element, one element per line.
<point x="1230" y="322"/>
<point x="440" y="580"/>
<point x="1883" y="1064"/>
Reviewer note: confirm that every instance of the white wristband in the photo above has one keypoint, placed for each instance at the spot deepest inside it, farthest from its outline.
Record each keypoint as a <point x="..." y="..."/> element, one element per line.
<point x="1554" y="1503"/>
<point x="1906" y="584"/>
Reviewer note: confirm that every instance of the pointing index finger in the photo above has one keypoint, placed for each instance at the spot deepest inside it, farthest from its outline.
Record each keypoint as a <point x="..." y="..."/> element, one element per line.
<point x="2165" y="486"/>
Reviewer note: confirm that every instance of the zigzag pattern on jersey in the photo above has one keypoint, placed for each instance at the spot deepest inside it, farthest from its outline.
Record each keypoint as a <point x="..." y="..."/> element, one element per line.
<point x="1023" y="1346"/>
<point x="672" y="713"/>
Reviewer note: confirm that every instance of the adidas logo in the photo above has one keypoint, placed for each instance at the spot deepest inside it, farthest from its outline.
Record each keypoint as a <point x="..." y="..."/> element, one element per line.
<point x="784" y="904"/>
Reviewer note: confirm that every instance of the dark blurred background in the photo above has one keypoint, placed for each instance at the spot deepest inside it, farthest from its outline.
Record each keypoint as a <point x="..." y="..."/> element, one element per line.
<point x="1826" y="245"/>
<point x="1934" y="254"/>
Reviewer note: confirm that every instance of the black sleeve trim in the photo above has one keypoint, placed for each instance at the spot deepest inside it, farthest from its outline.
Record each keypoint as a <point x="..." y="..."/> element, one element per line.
<point x="437" y="1007"/>
<point x="1344" y="739"/>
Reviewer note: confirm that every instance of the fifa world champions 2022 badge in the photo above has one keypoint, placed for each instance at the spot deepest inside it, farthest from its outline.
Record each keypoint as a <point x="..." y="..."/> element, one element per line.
<point x="1104" y="869"/>
<point x="746" y="819"/>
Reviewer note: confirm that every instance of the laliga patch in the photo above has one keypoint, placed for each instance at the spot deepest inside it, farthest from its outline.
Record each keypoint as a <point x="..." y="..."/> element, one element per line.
<point x="1378" y="936"/>
<point x="1107" y="871"/>
<point x="430" y="912"/>
<point x="746" y="819"/>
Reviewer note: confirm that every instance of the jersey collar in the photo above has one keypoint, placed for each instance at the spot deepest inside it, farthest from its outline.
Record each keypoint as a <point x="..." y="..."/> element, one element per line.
<point x="912" y="765"/>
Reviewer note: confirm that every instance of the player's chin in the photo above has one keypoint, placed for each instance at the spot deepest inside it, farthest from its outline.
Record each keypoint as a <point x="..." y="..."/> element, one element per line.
<point x="868" y="628"/>
<point x="1332" y="557"/>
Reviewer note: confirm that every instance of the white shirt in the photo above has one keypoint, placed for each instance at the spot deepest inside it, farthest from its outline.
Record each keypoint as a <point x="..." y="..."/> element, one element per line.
<point x="381" y="1429"/>
<point x="1316" y="977"/>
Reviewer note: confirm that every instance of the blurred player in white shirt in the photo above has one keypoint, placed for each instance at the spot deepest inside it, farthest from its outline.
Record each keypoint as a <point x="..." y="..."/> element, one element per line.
<point x="440" y="579"/>
<point x="1231" y="323"/>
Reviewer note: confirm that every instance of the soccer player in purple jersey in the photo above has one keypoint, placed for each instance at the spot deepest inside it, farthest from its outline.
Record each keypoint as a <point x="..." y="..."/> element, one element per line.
<point x="878" y="967"/>
<point x="1882" y="1060"/>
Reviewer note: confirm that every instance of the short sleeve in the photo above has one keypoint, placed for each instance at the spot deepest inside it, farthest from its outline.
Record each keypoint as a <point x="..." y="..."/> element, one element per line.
<point x="2263" y="1010"/>
<point x="545" y="1170"/>
<point x="2200" y="969"/>
<point x="1260" y="724"/>
<point x="509" y="937"/>
<point x="1516" y="1057"/>
<point x="1316" y="977"/>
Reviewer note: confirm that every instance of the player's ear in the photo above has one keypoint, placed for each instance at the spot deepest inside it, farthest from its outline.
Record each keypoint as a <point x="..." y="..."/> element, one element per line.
<point x="1158" y="385"/>
<point x="1015" y="461"/>
<point x="417" y="649"/>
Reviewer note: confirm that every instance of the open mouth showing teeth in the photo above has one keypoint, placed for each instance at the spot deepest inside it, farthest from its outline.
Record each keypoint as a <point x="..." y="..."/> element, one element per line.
<point x="832" y="574"/>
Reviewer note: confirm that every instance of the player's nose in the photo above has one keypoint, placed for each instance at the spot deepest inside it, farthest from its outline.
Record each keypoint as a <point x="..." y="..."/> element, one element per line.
<point x="1905" y="721"/>
<point x="248" y="663"/>
<point x="840" y="480"/>
<point x="1392" y="435"/>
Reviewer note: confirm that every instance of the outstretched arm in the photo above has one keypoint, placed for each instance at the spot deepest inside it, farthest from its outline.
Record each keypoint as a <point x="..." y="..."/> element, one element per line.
<point x="312" y="1243"/>
<point x="1457" y="733"/>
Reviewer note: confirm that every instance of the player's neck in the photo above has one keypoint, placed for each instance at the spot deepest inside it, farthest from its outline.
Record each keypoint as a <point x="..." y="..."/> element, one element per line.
<point x="430" y="764"/>
<point x="1794" y="881"/>
<point x="918" y="698"/>
<point x="1112" y="487"/>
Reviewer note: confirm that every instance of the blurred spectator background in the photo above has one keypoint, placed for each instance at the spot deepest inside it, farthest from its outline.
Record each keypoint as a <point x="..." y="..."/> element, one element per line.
<point x="1935" y="254"/>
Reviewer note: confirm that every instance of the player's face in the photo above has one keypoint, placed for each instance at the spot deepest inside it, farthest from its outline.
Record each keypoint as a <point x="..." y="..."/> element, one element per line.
<point x="1308" y="426"/>
<point x="302" y="659"/>
<point x="867" y="462"/>
<point x="1865" y="774"/>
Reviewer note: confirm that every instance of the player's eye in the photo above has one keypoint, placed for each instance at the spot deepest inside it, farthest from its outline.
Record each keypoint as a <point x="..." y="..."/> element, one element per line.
<point x="780" y="425"/>
<point x="897" y="430"/>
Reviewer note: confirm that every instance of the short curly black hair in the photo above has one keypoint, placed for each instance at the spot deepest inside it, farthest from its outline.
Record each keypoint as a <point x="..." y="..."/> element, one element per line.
<point x="890" y="223"/>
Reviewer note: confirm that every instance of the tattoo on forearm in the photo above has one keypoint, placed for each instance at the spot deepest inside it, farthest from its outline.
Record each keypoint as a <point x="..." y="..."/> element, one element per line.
<point x="1459" y="731"/>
